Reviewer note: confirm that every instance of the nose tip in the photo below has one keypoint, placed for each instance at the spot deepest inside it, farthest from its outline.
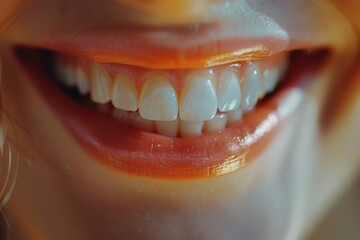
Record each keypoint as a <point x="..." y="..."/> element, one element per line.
<point x="175" y="11"/>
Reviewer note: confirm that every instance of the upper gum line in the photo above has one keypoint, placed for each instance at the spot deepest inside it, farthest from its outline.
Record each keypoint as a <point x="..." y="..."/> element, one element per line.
<point x="221" y="88"/>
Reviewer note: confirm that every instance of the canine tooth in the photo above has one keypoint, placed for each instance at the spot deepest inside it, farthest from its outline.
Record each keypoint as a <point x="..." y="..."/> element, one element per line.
<point x="121" y="115"/>
<point x="215" y="124"/>
<point x="198" y="99"/>
<point x="167" y="128"/>
<point x="190" y="128"/>
<point x="234" y="116"/>
<point x="250" y="86"/>
<point x="124" y="93"/>
<point x="158" y="100"/>
<point x="270" y="79"/>
<point x="100" y="84"/>
<point x="228" y="92"/>
<point x="82" y="81"/>
<point x="136" y="121"/>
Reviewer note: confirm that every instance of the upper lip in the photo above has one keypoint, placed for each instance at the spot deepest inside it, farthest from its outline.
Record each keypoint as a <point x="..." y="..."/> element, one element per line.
<point x="132" y="51"/>
<point x="168" y="49"/>
<point x="194" y="45"/>
<point x="238" y="31"/>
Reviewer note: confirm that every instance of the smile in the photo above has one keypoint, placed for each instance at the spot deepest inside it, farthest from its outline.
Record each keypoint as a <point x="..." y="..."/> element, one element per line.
<point x="172" y="123"/>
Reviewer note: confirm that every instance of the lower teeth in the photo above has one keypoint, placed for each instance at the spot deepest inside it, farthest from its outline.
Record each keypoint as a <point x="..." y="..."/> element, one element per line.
<point x="175" y="128"/>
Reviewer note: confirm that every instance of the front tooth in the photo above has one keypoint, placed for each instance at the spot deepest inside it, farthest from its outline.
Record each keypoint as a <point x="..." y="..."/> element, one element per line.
<point x="234" y="116"/>
<point x="198" y="99"/>
<point x="136" y="121"/>
<point x="158" y="100"/>
<point x="190" y="128"/>
<point x="215" y="124"/>
<point x="125" y="94"/>
<point x="167" y="128"/>
<point x="250" y="86"/>
<point x="82" y="81"/>
<point x="228" y="92"/>
<point x="100" y="85"/>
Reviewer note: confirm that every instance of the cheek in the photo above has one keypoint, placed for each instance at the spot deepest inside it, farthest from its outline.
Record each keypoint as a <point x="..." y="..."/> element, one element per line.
<point x="8" y="9"/>
<point x="351" y="10"/>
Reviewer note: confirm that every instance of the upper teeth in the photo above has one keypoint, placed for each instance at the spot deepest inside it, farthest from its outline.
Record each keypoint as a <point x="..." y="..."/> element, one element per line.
<point x="193" y="95"/>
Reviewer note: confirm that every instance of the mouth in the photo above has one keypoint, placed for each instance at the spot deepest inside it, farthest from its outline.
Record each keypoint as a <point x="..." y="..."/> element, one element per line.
<point x="175" y="123"/>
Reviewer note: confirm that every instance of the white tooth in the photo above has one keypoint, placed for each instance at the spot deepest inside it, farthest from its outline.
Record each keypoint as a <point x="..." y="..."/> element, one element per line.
<point x="215" y="124"/>
<point x="234" y="116"/>
<point x="121" y="115"/>
<point x="250" y="86"/>
<point x="125" y="94"/>
<point x="190" y="128"/>
<point x="270" y="79"/>
<point x="82" y="81"/>
<point x="167" y="128"/>
<point x="158" y="100"/>
<point x="69" y="75"/>
<point x="100" y="84"/>
<point x="136" y="121"/>
<point x="228" y="92"/>
<point x="198" y="99"/>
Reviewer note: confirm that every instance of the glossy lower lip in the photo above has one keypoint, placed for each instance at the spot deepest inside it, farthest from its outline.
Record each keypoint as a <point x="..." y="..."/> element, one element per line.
<point x="135" y="152"/>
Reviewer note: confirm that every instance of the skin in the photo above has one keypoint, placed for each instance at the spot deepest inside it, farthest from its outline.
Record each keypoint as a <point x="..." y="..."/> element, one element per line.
<point x="61" y="192"/>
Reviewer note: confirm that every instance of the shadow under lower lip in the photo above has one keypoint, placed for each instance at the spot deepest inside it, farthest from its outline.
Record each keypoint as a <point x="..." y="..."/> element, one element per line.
<point x="132" y="151"/>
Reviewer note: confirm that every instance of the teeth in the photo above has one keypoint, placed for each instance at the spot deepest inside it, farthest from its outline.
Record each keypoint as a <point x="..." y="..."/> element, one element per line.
<point x="82" y="81"/>
<point x="100" y="84"/>
<point x="234" y="116"/>
<point x="228" y="92"/>
<point x="215" y="124"/>
<point x="198" y="100"/>
<point x="70" y="78"/>
<point x="158" y="100"/>
<point x="270" y="78"/>
<point x="250" y="86"/>
<point x="124" y="93"/>
<point x="167" y="128"/>
<point x="190" y="128"/>
<point x="157" y="108"/>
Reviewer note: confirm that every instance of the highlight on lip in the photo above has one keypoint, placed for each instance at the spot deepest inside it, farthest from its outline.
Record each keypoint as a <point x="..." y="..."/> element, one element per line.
<point x="173" y="102"/>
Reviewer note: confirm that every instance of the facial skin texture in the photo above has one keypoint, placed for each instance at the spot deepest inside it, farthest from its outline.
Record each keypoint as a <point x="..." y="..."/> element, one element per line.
<point x="61" y="192"/>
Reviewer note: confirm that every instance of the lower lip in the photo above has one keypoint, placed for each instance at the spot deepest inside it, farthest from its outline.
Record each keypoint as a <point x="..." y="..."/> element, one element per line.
<point x="135" y="152"/>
